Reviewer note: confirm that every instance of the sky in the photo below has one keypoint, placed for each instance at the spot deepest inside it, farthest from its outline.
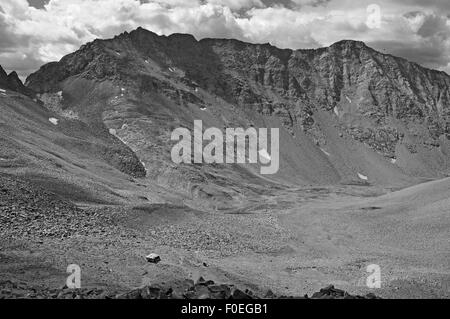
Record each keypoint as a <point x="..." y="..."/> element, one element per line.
<point x="34" y="32"/>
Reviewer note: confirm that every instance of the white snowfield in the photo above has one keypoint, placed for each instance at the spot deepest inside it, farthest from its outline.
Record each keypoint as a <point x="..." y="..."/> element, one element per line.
<point x="263" y="153"/>
<point x="363" y="177"/>
<point x="53" y="121"/>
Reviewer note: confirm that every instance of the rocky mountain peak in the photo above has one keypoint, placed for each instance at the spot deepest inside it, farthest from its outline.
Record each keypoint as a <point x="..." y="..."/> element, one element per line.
<point x="384" y="102"/>
<point x="12" y="82"/>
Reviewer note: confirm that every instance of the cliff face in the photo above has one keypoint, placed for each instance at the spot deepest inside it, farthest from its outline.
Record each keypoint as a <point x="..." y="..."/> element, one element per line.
<point x="3" y="78"/>
<point x="400" y="110"/>
<point x="349" y="76"/>
<point x="12" y="82"/>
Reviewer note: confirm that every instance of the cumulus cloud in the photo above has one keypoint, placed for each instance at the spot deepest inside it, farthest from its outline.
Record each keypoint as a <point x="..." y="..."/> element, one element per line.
<point x="238" y="4"/>
<point x="37" y="31"/>
<point x="426" y="39"/>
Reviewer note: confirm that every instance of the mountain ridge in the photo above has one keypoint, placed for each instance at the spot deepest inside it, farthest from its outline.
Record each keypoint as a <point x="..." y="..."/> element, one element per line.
<point x="397" y="109"/>
<point x="12" y="82"/>
<point x="208" y="39"/>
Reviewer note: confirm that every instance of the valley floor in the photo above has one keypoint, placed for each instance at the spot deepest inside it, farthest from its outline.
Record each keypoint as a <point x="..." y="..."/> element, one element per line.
<point x="293" y="242"/>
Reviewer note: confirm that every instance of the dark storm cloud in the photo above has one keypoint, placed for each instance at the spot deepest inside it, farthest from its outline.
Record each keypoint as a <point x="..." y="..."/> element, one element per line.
<point x="434" y="26"/>
<point x="283" y="3"/>
<point x="38" y="4"/>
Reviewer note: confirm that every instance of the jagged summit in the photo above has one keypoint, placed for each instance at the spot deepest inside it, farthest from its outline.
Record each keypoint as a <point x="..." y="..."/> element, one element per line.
<point x="141" y="39"/>
<point x="12" y="82"/>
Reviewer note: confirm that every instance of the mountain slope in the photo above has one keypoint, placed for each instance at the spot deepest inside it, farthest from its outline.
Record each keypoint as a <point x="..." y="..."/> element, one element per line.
<point x="345" y="112"/>
<point x="64" y="155"/>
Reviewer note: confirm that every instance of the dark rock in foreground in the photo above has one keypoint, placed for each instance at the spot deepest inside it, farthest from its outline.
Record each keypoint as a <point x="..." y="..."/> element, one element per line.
<point x="210" y="290"/>
<point x="202" y="289"/>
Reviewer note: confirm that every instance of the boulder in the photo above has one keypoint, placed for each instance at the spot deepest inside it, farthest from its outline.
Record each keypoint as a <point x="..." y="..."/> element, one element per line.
<point x="153" y="258"/>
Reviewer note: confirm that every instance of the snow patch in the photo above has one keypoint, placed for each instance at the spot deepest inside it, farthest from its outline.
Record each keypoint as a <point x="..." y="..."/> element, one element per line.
<point x="59" y="93"/>
<point x="2" y="91"/>
<point x="263" y="153"/>
<point x="336" y="111"/>
<point x="393" y="160"/>
<point x="145" y="167"/>
<point x="325" y="152"/>
<point x="203" y="108"/>
<point x="146" y="61"/>
<point x="348" y="99"/>
<point x="363" y="177"/>
<point x="53" y="121"/>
